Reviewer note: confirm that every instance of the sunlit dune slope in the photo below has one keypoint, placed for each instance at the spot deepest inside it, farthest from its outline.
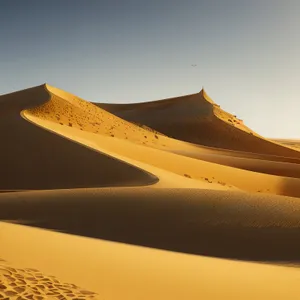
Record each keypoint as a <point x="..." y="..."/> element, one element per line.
<point x="83" y="123"/>
<point x="113" y="271"/>
<point x="76" y="117"/>
<point x="187" y="170"/>
<point x="67" y="109"/>
<point x="156" y="192"/>
<point x="159" y="163"/>
<point x="197" y="119"/>
<point x="33" y="158"/>
<point x="212" y="168"/>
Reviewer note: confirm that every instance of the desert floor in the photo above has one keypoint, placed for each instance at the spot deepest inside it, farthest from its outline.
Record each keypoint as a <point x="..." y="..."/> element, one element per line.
<point x="170" y="199"/>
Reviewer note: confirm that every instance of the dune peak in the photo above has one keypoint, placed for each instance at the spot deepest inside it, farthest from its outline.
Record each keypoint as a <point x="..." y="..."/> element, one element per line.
<point x="202" y="200"/>
<point x="206" y="96"/>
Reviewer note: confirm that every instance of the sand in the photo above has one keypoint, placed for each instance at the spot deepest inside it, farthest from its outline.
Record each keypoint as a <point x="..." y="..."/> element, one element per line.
<point x="294" y="144"/>
<point x="197" y="119"/>
<point x="36" y="159"/>
<point x="132" y="204"/>
<point x="118" y="271"/>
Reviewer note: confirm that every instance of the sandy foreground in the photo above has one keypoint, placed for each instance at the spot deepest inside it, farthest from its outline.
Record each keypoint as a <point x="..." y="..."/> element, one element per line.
<point x="82" y="267"/>
<point x="171" y="199"/>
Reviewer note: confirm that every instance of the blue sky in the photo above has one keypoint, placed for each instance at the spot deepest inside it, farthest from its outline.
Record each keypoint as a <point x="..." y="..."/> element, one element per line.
<point x="247" y="53"/>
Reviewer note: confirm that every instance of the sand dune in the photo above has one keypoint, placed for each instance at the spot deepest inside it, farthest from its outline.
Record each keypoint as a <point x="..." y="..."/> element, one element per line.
<point x="158" y="162"/>
<point x="206" y="222"/>
<point x="179" y="176"/>
<point x="186" y="170"/>
<point x="294" y="144"/>
<point x="118" y="271"/>
<point x="36" y="159"/>
<point x="197" y="119"/>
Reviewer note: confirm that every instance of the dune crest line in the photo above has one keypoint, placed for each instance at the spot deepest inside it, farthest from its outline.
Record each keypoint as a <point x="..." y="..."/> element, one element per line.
<point x="169" y="199"/>
<point x="35" y="158"/>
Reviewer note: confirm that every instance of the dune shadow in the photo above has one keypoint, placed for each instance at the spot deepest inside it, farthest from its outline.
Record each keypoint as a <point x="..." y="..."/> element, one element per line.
<point x="33" y="158"/>
<point x="289" y="187"/>
<point x="220" y="224"/>
<point x="191" y="119"/>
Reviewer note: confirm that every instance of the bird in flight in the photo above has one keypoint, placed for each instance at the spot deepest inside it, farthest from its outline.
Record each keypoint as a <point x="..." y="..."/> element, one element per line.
<point x="194" y="65"/>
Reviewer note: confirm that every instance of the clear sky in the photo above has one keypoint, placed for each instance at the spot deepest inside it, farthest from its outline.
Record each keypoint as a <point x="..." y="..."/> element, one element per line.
<point x="247" y="53"/>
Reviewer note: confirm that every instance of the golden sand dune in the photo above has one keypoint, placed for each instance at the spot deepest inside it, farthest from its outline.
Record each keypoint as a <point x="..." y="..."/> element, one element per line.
<point x="161" y="152"/>
<point x="295" y="144"/>
<point x="187" y="170"/>
<point x="206" y="222"/>
<point x="106" y="178"/>
<point x="67" y="109"/>
<point x="118" y="271"/>
<point x="33" y="158"/>
<point x="197" y="119"/>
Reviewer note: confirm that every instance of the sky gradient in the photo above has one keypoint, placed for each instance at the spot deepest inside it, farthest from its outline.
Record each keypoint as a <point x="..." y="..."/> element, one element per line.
<point x="247" y="53"/>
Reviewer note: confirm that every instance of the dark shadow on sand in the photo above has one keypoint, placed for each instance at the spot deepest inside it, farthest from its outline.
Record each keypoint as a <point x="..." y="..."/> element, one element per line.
<point x="219" y="224"/>
<point x="34" y="158"/>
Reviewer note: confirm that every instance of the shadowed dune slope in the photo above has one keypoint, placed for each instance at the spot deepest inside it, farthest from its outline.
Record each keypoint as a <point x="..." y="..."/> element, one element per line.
<point x="213" y="223"/>
<point x="295" y="144"/>
<point x="189" y="172"/>
<point x="76" y="119"/>
<point x="34" y="158"/>
<point x="259" y="165"/>
<point x="65" y="148"/>
<point x="197" y="119"/>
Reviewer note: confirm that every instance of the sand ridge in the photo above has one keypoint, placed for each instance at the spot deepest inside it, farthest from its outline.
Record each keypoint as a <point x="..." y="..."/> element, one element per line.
<point x="194" y="163"/>
<point x="197" y="119"/>
<point x="224" y="224"/>
<point x="294" y="144"/>
<point x="37" y="159"/>
<point x="128" y="213"/>
<point x="160" y="164"/>
<point x="209" y="175"/>
<point x="70" y="110"/>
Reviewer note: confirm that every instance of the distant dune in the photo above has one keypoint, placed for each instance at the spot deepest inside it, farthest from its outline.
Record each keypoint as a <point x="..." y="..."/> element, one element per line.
<point x="295" y="144"/>
<point x="169" y="199"/>
<point x="197" y="119"/>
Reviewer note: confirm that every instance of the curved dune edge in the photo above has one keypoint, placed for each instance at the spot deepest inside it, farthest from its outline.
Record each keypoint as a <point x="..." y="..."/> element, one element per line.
<point x="222" y="224"/>
<point x="197" y="119"/>
<point x="161" y="163"/>
<point x="36" y="159"/>
<point x="226" y="117"/>
<point x="67" y="109"/>
<point x="117" y="271"/>
<point x="104" y="144"/>
<point x="46" y="125"/>
<point x="152" y="159"/>
<point x="84" y="133"/>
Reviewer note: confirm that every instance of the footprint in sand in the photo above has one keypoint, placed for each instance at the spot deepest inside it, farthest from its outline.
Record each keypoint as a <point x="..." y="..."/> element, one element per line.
<point x="31" y="284"/>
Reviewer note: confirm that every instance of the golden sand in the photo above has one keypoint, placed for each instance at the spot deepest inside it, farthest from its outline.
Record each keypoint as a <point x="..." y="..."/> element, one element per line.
<point x="197" y="119"/>
<point x="173" y="199"/>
